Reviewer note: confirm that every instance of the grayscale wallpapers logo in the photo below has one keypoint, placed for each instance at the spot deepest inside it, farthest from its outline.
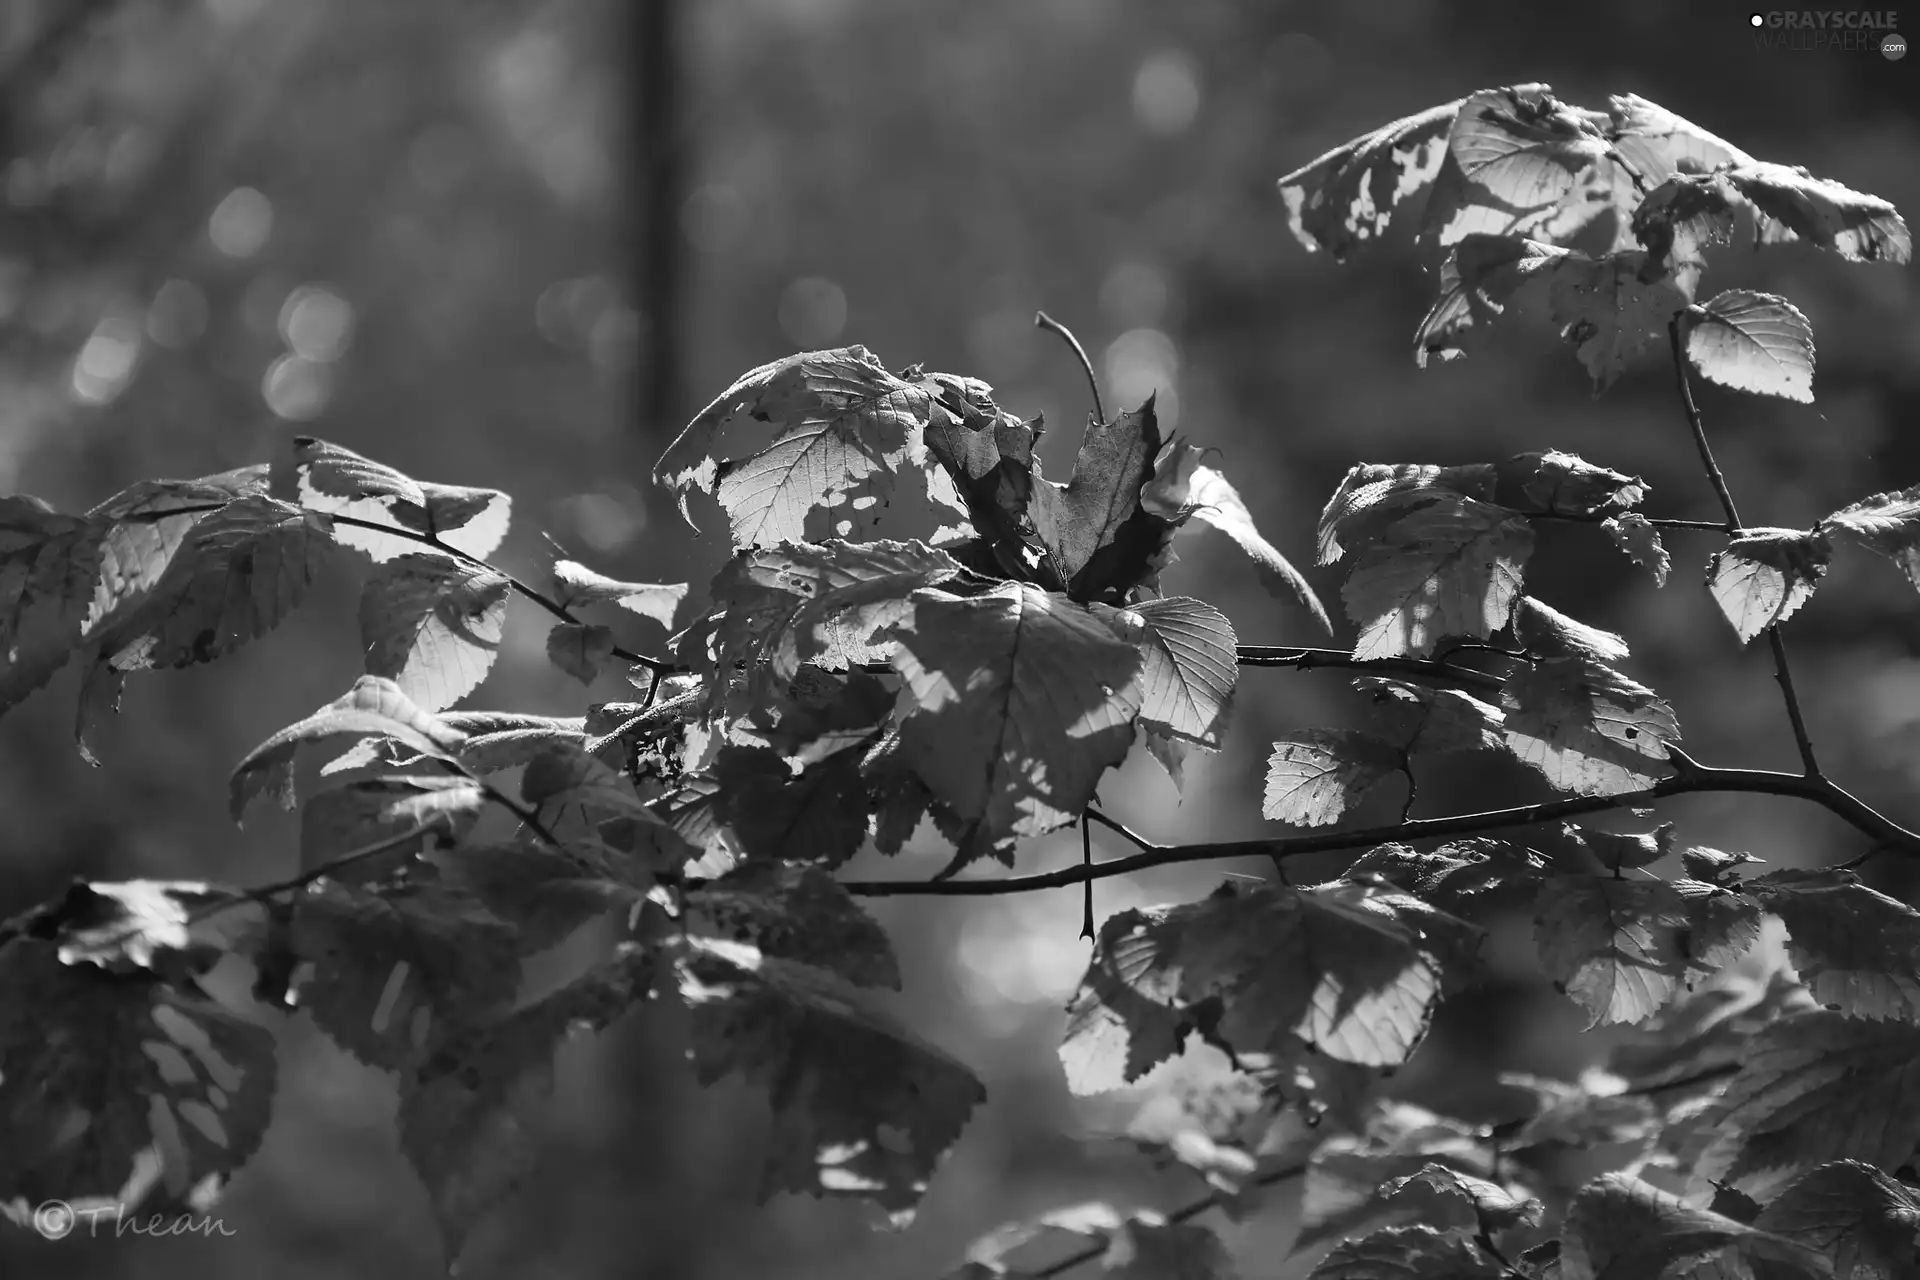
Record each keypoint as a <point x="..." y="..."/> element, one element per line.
<point x="1830" y="31"/>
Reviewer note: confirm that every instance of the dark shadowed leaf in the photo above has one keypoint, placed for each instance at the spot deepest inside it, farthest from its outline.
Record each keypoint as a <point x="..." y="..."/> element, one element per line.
<point x="579" y="650"/>
<point x="1346" y="197"/>
<point x="505" y="739"/>
<point x="1407" y="1253"/>
<point x="1866" y="1221"/>
<point x="1517" y="163"/>
<point x="1554" y="482"/>
<point x="1548" y="633"/>
<point x="432" y="625"/>
<point x="1491" y="1206"/>
<point x="1391" y="1139"/>
<point x="48" y="565"/>
<point x="342" y="819"/>
<point x="1614" y="946"/>
<point x="1853" y="946"/>
<point x="818" y="815"/>
<point x="1315" y="775"/>
<point x="1422" y="721"/>
<point x="544" y="893"/>
<point x="1588" y="728"/>
<point x="1756" y="342"/>
<point x="797" y="913"/>
<point x="1763" y="575"/>
<point x="1373" y="496"/>
<point x="1102" y="541"/>
<point x="1620" y="1227"/>
<point x="1140" y="1244"/>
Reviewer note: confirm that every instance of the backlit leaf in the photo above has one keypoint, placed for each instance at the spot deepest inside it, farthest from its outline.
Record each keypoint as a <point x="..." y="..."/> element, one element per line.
<point x="327" y="478"/>
<point x="1315" y="775"/>
<point x="797" y="913"/>
<point x="1347" y="196"/>
<point x="1547" y="632"/>
<point x="1853" y="946"/>
<point x="432" y="625"/>
<point x="1888" y="523"/>
<point x="1755" y="342"/>
<point x="1637" y="539"/>
<point x="577" y="584"/>
<point x="48" y="566"/>
<point x="1586" y="727"/>
<point x="1493" y="1207"/>
<point x="1613" y="945"/>
<point x="144" y="525"/>
<point x="1761" y="577"/>
<point x="342" y="819"/>
<point x="1451" y="567"/>
<point x="1189" y="669"/>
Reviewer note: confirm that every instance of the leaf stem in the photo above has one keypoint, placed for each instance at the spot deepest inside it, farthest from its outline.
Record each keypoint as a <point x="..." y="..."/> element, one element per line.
<point x="1688" y="780"/>
<point x="1782" y="670"/>
<point x="1309" y="659"/>
<point x="1042" y="320"/>
<point x="1185" y="1212"/>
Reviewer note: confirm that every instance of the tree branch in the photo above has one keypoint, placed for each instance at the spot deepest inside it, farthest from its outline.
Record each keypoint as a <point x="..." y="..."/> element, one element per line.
<point x="1689" y="779"/>
<point x="1782" y="671"/>
<point x="1308" y="659"/>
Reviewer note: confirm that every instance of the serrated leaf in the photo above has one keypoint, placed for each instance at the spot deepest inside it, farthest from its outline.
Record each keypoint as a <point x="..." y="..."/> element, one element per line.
<point x="468" y="1117"/>
<point x="1764" y="575"/>
<point x="1516" y="156"/>
<point x="1407" y="1253"/>
<point x="1812" y="1088"/>
<point x="143" y="527"/>
<point x="1315" y="775"/>
<point x="1451" y="567"/>
<point x="1639" y="541"/>
<point x="1419" y="721"/>
<point x="1494" y="1207"/>
<point x="1391" y="1139"/>
<point x="861" y="1106"/>
<point x="235" y="576"/>
<point x="327" y="478"/>
<point x="1888" y="523"/>
<point x="818" y="815"/>
<point x="1555" y="482"/>
<point x="122" y="1090"/>
<point x="844" y="428"/>
<point x="498" y="740"/>
<point x="1021" y="700"/>
<point x="1189" y="669"/>
<point x="579" y="649"/>
<point x="1659" y="144"/>
<point x="1346" y="197"/>
<point x="576" y="584"/>
<point x="1867" y="1222"/>
<point x="342" y="819"/>
<point x="432" y="625"/>
<point x="1853" y="946"/>
<point x="1784" y="204"/>
<point x="1548" y="633"/>
<point x="1756" y="342"/>
<point x="389" y="974"/>
<point x="48" y="565"/>
<point x="1373" y="497"/>
<point x="1619" y="1226"/>
<point x="1613" y="945"/>
<point x="1103" y="542"/>
<point x="1126" y="1015"/>
<point x="797" y="913"/>
<point x="374" y="705"/>
<point x="1182" y="489"/>
<point x="1586" y="727"/>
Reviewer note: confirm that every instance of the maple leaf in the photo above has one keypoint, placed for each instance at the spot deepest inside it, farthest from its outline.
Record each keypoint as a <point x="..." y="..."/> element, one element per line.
<point x="1103" y="541"/>
<point x="122" y="1090"/>
<point x="397" y="969"/>
<point x="577" y="584"/>
<point x="1755" y="342"/>
<point x="432" y="625"/>
<point x="468" y="1115"/>
<point x="1315" y="775"/>
<point x="1888" y="523"/>
<point x="861" y="1106"/>
<point x="374" y="706"/>
<point x="48" y="565"/>
<point x="1853" y="946"/>
<point x="1449" y="567"/>
<point x="797" y="913"/>
<point x="1619" y="1226"/>
<point x="844" y="430"/>
<point x="1189" y="668"/>
<point x="1021" y="699"/>
<point x="1586" y="727"/>
<point x="1864" y="1220"/>
<point x="1639" y="541"/>
<point x="1613" y="945"/>
<point x="326" y="478"/>
<point x="1347" y="197"/>
<point x="1761" y="577"/>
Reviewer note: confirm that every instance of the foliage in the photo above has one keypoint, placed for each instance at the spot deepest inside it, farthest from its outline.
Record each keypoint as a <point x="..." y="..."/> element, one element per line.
<point x="976" y="666"/>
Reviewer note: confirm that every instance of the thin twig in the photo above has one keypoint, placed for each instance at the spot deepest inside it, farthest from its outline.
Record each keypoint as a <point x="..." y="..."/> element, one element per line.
<point x="1086" y="860"/>
<point x="1782" y="671"/>
<point x="1121" y="829"/>
<point x="1709" y="526"/>
<point x="1692" y="779"/>
<point x="1184" y="1213"/>
<point x="1307" y="659"/>
<point x="1042" y="320"/>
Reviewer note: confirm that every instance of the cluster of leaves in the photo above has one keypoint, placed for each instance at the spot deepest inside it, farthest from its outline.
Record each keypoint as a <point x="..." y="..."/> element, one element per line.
<point x="917" y="629"/>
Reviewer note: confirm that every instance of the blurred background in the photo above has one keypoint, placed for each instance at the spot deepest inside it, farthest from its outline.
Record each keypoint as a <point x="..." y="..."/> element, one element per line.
<point x="517" y="243"/>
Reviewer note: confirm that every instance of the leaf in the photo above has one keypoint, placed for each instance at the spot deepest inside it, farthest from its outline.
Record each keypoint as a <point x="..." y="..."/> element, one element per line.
<point x="1659" y="144"/>
<point x="577" y="584"/>
<point x="1104" y="543"/>
<point x="544" y="894"/>
<point x="1586" y="727"/>
<point x="144" y="525"/>
<point x="1865" y="1221"/>
<point x="392" y="973"/>
<point x="1418" y="721"/>
<point x="1406" y="1253"/>
<point x="498" y="740"/>
<point x="1181" y="489"/>
<point x="843" y="426"/>
<point x="432" y="624"/>
<point x="1315" y="775"/>
<point x="1764" y="575"/>
<point x="579" y="650"/>
<point x="327" y="478"/>
<point x="1392" y="1139"/>
<point x="1451" y="567"/>
<point x="1888" y="523"/>
<point x="1579" y="1115"/>
<point x="1756" y="342"/>
<point x="1021" y="700"/>
<point x="1713" y="866"/>
<point x="1853" y="946"/>
<point x="1189" y="668"/>
<point x="1138" y="1245"/>
<point x="236" y="575"/>
<point x="818" y="815"/>
<point x="467" y="1118"/>
<point x="1812" y="1088"/>
<point x="1347" y="196"/>
<point x="1612" y="945"/>
<point x="1554" y="482"/>
<point x="1639" y="541"/>
<point x="1493" y="1207"/>
<point x="1515" y="157"/>
<point x="861" y="1106"/>
<point x="1545" y="631"/>
<point x="177" y="929"/>
<point x="797" y="913"/>
<point x="122" y="1089"/>
<point x="1620" y="1227"/>
<point x="1373" y="497"/>
<point x="1126" y="1016"/>
<point x="48" y="564"/>
<point x="374" y="705"/>
<point x="343" y="819"/>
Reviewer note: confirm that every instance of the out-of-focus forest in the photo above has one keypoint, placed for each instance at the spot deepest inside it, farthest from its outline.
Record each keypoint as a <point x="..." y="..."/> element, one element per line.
<point x="517" y="243"/>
